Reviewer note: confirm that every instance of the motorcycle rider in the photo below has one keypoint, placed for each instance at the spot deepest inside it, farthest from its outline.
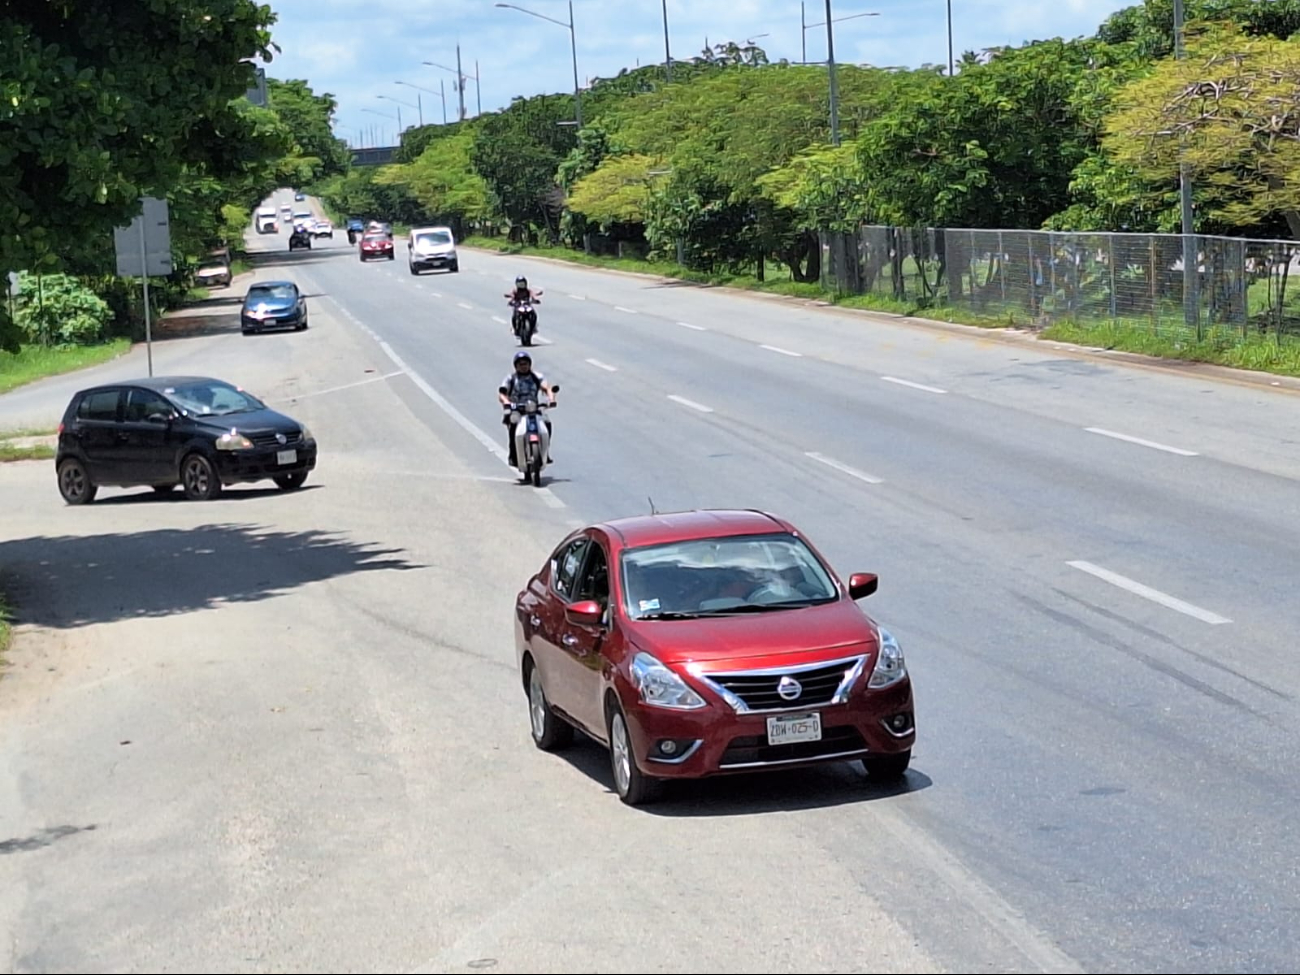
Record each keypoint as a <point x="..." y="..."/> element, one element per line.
<point x="523" y="293"/>
<point x="524" y="383"/>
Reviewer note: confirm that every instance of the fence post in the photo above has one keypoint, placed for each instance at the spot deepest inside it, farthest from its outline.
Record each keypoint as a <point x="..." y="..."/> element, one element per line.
<point x="1033" y="279"/>
<point x="1114" y="305"/>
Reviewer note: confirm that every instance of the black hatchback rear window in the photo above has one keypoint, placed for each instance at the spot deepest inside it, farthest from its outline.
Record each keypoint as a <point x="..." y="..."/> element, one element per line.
<point x="101" y="405"/>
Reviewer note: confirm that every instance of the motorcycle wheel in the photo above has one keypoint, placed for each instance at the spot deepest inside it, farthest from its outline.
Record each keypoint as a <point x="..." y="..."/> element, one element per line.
<point x="537" y="473"/>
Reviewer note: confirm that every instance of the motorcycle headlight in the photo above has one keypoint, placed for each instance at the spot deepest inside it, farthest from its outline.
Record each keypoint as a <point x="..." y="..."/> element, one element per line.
<point x="661" y="687"/>
<point x="890" y="666"/>
<point x="233" y="440"/>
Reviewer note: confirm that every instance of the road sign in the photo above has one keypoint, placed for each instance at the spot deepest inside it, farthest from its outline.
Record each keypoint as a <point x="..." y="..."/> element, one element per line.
<point x="148" y="251"/>
<point x="257" y="94"/>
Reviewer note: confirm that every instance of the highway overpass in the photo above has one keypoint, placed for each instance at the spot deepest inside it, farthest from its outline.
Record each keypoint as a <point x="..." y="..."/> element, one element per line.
<point x="376" y="156"/>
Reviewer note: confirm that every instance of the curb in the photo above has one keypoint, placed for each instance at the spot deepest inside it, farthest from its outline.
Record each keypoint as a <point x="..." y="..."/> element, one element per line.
<point x="1263" y="381"/>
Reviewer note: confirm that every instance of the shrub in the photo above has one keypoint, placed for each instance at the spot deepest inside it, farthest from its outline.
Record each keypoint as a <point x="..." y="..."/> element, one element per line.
<point x="59" y="309"/>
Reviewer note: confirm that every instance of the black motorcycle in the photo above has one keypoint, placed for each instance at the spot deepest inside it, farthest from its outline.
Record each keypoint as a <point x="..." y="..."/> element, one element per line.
<point x="524" y="320"/>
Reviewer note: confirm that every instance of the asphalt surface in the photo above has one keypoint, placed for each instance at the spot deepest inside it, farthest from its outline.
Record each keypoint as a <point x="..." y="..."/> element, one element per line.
<point x="1100" y="630"/>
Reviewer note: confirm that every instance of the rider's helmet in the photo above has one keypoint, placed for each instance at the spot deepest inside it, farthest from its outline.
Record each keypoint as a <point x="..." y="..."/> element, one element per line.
<point x="521" y="283"/>
<point x="523" y="361"/>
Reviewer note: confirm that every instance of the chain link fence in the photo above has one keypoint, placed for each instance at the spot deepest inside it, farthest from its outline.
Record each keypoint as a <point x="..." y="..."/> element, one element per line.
<point x="1239" y="288"/>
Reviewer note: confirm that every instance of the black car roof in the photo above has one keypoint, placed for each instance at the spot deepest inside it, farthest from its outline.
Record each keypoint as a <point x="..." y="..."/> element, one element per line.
<point x="156" y="383"/>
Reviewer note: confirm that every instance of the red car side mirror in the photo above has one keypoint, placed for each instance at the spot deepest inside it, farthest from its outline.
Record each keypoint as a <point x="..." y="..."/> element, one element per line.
<point x="584" y="613"/>
<point x="863" y="584"/>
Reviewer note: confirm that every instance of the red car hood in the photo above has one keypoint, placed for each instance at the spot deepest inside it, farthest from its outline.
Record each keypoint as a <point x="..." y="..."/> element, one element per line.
<point x="783" y="636"/>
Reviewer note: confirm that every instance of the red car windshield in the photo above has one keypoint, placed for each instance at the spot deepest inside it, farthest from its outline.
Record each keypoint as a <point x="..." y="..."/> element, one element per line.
<point x="744" y="573"/>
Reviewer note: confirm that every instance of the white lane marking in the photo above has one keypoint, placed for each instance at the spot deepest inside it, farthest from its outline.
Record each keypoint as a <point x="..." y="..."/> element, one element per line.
<point x="908" y="382"/>
<point x="845" y="468"/>
<point x="499" y="452"/>
<point x="691" y="404"/>
<point x="462" y="304"/>
<point x="601" y="365"/>
<point x="698" y="328"/>
<point x="1144" y="443"/>
<point x="630" y="311"/>
<point x="577" y="297"/>
<point x="1146" y="592"/>
<point x="541" y="340"/>
<point x="499" y="319"/>
<point x="780" y="351"/>
<point x="436" y="294"/>
<point x="336" y="389"/>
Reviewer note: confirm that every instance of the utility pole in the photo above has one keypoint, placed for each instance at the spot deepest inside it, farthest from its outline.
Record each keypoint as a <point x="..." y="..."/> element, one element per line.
<point x="1191" y="262"/>
<point x="668" y="56"/>
<point x="460" y="83"/>
<point x="835" y="87"/>
<point x="478" y="88"/>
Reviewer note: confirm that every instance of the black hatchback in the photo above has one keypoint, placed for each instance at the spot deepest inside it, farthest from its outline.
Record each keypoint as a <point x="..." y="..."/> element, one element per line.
<point x="194" y="431"/>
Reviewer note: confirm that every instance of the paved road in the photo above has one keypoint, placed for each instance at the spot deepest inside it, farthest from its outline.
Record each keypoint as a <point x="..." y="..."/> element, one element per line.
<point x="1091" y="565"/>
<point x="1099" y="628"/>
<point x="282" y="732"/>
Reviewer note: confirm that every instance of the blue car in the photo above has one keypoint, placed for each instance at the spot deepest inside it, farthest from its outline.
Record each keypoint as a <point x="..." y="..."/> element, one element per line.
<point x="273" y="304"/>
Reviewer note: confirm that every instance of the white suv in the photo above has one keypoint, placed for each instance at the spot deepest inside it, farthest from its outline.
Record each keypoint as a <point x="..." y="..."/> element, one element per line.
<point x="432" y="247"/>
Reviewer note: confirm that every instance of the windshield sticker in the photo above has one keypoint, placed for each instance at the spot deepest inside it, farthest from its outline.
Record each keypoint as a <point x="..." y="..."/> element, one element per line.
<point x="647" y="604"/>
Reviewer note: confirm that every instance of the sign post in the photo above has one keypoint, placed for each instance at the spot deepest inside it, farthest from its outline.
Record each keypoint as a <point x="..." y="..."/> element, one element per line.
<point x="144" y="248"/>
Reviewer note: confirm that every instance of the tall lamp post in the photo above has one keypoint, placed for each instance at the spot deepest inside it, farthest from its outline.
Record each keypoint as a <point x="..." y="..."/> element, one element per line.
<point x="805" y="27"/>
<point x="419" y="107"/>
<point x="374" y="111"/>
<point x="573" y="43"/>
<point x="440" y="94"/>
<point x="668" y="56"/>
<point x="1191" y="262"/>
<point x="460" y="81"/>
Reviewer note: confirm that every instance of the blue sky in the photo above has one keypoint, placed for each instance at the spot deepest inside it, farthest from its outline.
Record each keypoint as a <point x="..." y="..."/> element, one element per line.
<point x="359" y="49"/>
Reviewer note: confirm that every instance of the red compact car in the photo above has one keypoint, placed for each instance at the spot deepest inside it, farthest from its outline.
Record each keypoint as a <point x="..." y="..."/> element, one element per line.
<point x="376" y="245"/>
<point x="709" y="642"/>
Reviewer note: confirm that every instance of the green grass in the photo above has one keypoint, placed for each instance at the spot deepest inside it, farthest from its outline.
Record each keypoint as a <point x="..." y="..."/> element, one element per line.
<point x="36" y="362"/>
<point x="11" y="452"/>
<point x="6" y="624"/>
<point x="1257" y="352"/>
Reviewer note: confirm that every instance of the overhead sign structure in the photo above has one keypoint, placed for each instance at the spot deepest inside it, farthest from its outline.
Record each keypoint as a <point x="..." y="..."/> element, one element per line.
<point x="144" y="249"/>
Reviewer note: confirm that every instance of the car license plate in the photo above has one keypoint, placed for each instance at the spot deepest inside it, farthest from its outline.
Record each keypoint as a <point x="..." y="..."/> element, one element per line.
<point x="286" y="457"/>
<point x="789" y="728"/>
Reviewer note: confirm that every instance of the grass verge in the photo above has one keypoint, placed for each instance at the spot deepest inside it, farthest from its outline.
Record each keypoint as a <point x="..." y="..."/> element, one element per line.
<point x="6" y="625"/>
<point x="36" y="362"/>
<point x="1258" y="353"/>
<point x="10" y="452"/>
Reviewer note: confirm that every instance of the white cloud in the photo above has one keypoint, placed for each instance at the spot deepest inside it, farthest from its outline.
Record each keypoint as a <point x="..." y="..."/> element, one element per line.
<point x="358" y="51"/>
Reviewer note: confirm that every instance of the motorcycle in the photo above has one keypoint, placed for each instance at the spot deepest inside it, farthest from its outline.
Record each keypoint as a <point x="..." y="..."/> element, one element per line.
<point x="524" y="319"/>
<point x="532" y="439"/>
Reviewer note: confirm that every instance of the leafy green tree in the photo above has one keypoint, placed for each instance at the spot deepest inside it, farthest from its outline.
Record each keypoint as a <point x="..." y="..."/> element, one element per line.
<point x="103" y="101"/>
<point x="309" y="117"/>
<point x="443" y="182"/>
<point x="1231" y="111"/>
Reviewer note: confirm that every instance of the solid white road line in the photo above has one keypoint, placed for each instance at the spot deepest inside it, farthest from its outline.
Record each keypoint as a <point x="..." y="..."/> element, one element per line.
<point x="698" y="328"/>
<point x="780" y="351"/>
<point x="908" y="382"/>
<point x="1146" y="592"/>
<point x="499" y="452"/>
<point x="465" y="305"/>
<point x="630" y="311"/>
<point x="601" y="365"/>
<point x="845" y="468"/>
<point x="1144" y="443"/>
<point x="691" y="404"/>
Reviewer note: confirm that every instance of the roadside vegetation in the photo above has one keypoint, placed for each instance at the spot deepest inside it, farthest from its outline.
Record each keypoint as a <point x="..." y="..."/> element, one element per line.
<point x="730" y="166"/>
<point x="79" y="145"/>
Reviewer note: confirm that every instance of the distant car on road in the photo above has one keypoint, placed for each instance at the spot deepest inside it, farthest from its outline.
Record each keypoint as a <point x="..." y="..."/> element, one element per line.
<point x="195" y="431"/>
<point x="215" y="270"/>
<point x="273" y="304"/>
<point x="432" y="247"/>
<point x="376" y="244"/>
<point x="322" y="228"/>
<point x="300" y="196"/>
<point x="702" y="643"/>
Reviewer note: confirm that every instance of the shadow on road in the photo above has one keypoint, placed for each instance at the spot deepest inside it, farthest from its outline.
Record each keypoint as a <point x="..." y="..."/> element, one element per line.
<point x="817" y="787"/>
<point x="41" y="839"/>
<point x="285" y="258"/>
<point x="70" y="581"/>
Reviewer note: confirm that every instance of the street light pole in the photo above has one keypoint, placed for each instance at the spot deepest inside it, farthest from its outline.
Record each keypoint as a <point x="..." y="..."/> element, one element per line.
<point x="1191" y="282"/>
<point x="478" y="88"/>
<point x="951" y="64"/>
<point x="460" y="83"/>
<point x="573" y="43"/>
<point x="835" y="87"/>
<point x="668" y="56"/>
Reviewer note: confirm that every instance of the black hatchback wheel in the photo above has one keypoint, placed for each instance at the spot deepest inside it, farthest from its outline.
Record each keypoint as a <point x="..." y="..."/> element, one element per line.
<point x="199" y="478"/>
<point x="74" y="482"/>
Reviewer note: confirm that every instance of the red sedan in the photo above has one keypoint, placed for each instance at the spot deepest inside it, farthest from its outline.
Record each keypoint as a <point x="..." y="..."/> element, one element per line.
<point x="376" y="245"/>
<point x="721" y="642"/>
